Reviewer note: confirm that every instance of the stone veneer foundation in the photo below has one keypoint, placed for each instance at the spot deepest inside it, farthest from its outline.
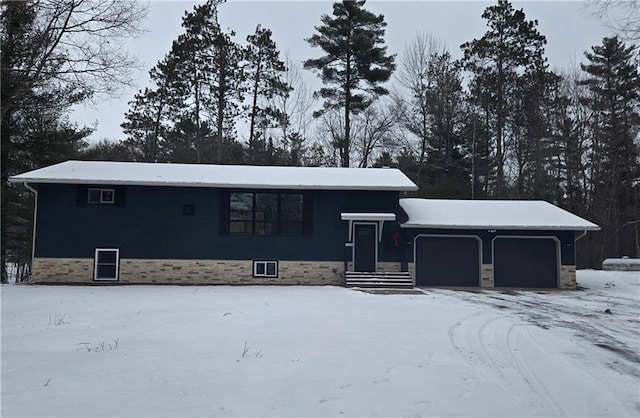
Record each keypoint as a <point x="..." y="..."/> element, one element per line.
<point x="233" y="272"/>
<point x="487" y="276"/>
<point x="568" y="277"/>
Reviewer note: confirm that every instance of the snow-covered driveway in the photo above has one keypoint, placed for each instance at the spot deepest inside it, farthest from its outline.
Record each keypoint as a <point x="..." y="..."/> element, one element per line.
<point x="321" y="351"/>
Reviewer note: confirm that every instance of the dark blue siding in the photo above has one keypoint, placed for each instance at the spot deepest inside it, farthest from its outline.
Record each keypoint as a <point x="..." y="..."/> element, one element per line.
<point x="152" y="225"/>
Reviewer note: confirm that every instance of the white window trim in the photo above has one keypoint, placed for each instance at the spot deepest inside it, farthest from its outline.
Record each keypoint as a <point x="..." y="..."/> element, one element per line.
<point x="265" y="262"/>
<point x="102" y="200"/>
<point x="95" y="265"/>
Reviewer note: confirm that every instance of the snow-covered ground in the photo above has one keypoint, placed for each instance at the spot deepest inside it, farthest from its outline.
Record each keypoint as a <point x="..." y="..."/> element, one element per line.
<point x="321" y="351"/>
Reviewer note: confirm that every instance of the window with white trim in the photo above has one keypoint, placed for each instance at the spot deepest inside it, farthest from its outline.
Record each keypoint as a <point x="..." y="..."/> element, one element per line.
<point x="265" y="269"/>
<point x="106" y="264"/>
<point x="101" y="196"/>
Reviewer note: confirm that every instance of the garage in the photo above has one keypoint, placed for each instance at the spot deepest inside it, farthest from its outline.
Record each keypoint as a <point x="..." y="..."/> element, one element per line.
<point x="447" y="260"/>
<point x="525" y="262"/>
<point x="524" y="243"/>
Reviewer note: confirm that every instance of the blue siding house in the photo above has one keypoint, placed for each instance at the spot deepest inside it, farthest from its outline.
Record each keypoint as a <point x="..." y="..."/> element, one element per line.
<point x="140" y="223"/>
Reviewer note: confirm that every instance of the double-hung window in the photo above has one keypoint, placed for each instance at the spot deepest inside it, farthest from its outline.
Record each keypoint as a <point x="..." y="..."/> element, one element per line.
<point x="107" y="264"/>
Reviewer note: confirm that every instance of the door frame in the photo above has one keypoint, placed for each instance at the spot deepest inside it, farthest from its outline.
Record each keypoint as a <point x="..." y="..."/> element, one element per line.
<point x="554" y="238"/>
<point x="353" y="247"/>
<point x="415" y="252"/>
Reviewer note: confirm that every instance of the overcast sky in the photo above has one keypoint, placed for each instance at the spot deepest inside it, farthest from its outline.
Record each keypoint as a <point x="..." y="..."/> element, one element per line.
<point x="569" y="28"/>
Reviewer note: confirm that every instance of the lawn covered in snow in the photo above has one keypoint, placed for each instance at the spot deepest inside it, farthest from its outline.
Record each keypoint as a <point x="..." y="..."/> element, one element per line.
<point x="168" y="351"/>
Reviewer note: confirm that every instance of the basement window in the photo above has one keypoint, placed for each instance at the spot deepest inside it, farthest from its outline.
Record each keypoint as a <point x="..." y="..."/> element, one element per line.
<point x="265" y="269"/>
<point x="101" y="196"/>
<point x="106" y="264"/>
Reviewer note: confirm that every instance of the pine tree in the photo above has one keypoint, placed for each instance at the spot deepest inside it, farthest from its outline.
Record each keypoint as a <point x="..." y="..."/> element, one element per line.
<point x="190" y="114"/>
<point x="511" y="44"/>
<point x="535" y="155"/>
<point x="264" y="72"/>
<point x="355" y="65"/>
<point x="614" y="84"/>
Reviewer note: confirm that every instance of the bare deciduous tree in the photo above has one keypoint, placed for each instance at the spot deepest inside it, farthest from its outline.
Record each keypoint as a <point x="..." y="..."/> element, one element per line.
<point x="623" y="17"/>
<point x="376" y="129"/>
<point x="75" y="43"/>
<point x="414" y="76"/>
<point x="61" y="51"/>
<point x="296" y="108"/>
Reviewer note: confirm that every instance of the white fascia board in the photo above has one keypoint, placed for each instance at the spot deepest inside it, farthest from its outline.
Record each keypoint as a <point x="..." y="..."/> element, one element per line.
<point x="506" y="227"/>
<point x="36" y="180"/>
<point x="351" y="216"/>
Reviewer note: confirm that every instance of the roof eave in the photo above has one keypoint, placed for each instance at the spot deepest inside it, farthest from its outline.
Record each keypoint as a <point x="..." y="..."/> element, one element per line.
<point x="18" y="179"/>
<point x="506" y="227"/>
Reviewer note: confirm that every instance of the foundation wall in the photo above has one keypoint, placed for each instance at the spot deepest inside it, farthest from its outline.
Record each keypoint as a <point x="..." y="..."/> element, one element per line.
<point x="568" y="277"/>
<point x="233" y="272"/>
<point x="487" y="276"/>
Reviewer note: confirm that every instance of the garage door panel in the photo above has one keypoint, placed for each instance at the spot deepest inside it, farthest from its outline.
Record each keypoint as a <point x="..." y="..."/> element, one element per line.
<point x="525" y="262"/>
<point x="447" y="261"/>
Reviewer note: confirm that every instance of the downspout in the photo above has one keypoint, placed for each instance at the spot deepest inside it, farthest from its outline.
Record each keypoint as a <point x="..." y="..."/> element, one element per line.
<point x="575" y="250"/>
<point x="35" y="215"/>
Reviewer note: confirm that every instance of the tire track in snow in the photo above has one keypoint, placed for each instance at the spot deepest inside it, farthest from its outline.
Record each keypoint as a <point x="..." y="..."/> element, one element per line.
<point x="594" y="381"/>
<point x="471" y="337"/>
<point x="527" y="373"/>
<point x="467" y="353"/>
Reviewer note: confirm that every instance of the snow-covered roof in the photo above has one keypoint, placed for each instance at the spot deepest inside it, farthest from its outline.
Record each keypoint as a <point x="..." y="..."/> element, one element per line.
<point x="226" y="176"/>
<point x="490" y="214"/>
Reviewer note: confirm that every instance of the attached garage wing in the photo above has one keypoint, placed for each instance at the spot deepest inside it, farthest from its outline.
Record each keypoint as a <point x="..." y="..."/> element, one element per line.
<point x="447" y="260"/>
<point x="525" y="262"/>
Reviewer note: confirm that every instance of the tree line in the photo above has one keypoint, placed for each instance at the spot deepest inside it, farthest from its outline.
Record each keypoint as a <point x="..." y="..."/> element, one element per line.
<point x="497" y="123"/>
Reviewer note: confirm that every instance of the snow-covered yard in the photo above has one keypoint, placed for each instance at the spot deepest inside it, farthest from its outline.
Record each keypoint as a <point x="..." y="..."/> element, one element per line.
<point x="321" y="351"/>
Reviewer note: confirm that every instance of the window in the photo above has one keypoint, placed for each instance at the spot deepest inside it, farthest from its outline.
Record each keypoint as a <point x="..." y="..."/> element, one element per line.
<point x="241" y="214"/>
<point x="265" y="269"/>
<point x="106" y="264"/>
<point x="101" y="196"/>
<point x="266" y="214"/>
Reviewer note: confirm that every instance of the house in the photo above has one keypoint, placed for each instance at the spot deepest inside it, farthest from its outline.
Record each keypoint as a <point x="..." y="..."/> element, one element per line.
<point x="106" y="222"/>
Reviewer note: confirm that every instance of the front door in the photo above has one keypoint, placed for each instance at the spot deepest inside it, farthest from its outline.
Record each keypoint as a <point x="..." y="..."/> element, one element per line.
<point x="365" y="243"/>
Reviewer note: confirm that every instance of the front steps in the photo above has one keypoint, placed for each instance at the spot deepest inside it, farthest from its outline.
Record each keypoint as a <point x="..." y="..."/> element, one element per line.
<point x="379" y="279"/>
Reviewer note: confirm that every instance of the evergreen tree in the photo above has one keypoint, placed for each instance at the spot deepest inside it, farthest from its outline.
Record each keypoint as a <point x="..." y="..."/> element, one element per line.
<point x="209" y="81"/>
<point x="191" y="112"/>
<point x="508" y="48"/>
<point x="264" y="71"/>
<point x="355" y="65"/>
<point x="40" y="135"/>
<point x="534" y="151"/>
<point x="614" y="84"/>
